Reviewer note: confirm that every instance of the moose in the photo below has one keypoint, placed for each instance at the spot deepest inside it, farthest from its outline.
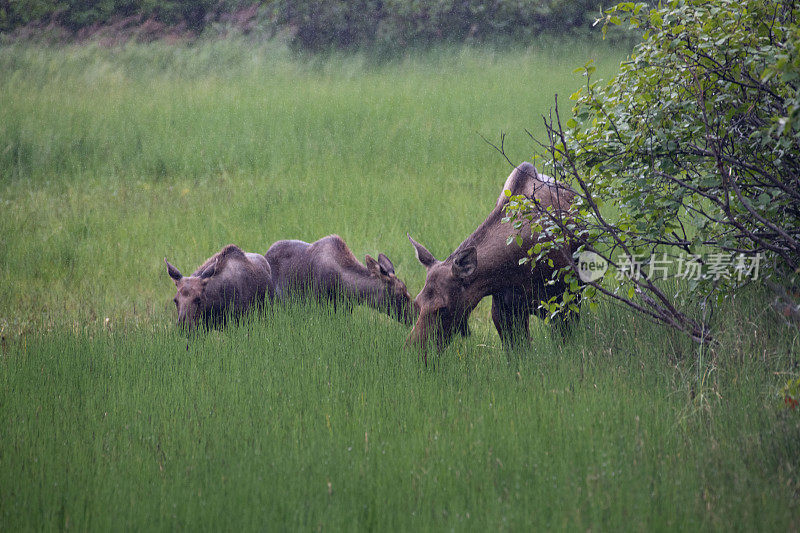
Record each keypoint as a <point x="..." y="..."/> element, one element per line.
<point x="326" y="270"/>
<point x="485" y="265"/>
<point x="229" y="283"/>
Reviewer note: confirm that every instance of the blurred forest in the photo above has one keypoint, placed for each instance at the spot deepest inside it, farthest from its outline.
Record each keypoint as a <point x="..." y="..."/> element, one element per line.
<point x="306" y="24"/>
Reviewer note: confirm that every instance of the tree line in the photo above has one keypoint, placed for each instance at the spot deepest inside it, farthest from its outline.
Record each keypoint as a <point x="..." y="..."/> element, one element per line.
<point x="320" y="24"/>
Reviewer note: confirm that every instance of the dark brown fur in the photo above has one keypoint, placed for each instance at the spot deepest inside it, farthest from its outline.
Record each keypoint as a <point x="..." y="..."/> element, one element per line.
<point x="328" y="271"/>
<point x="229" y="282"/>
<point x="485" y="265"/>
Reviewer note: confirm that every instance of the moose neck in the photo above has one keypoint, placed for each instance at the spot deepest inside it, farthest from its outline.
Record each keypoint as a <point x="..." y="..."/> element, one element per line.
<point x="365" y="288"/>
<point x="498" y="262"/>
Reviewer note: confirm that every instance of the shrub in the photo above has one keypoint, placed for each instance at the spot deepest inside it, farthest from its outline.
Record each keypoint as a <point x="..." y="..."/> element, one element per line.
<point x="338" y="23"/>
<point x="75" y="15"/>
<point x="692" y="148"/>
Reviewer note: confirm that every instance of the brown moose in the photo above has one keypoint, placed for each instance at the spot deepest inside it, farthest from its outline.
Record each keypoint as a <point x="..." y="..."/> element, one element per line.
<point x="485" y="265"/>
<point x="327" y="270"/>
<point x="228" y="283"/>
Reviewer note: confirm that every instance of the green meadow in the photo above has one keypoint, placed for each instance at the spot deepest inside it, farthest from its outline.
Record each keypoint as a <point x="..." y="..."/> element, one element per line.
<point x="302" y="418"/>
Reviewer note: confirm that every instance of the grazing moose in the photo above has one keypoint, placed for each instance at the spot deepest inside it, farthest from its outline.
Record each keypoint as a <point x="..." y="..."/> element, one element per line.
<point x="485" y="265"/>
<point x="230" y="281"/>
<point x="328" y="271"/>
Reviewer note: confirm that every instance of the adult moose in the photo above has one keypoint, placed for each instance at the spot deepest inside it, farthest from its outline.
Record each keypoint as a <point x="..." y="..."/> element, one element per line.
<point x="327" y="270"/>
<point x="485" y="265"/>
<point x="229" y="282"/>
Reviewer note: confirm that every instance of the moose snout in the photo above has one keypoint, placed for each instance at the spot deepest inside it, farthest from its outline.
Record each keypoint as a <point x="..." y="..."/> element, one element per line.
<point x="415" y="340"/>
<point x="418" y="337"/>
<point x="184" y="324"/>
<point x="423" y="332"/>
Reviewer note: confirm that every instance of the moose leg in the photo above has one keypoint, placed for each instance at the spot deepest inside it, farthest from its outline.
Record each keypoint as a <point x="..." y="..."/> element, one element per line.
<point x="463" y="328"/>
<point x="510" y="313"/>
<point x="571" y="321"/>
<point x="563" y="323"/>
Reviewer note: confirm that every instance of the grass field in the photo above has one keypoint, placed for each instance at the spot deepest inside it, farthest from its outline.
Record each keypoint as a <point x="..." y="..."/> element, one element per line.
<point x="302" y="418"/>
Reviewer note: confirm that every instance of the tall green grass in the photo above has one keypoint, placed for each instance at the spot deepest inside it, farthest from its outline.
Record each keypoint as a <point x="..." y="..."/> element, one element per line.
<point x="112" y="159"/>
<point x="307" y="419"/>
<point x="302" y="418"/>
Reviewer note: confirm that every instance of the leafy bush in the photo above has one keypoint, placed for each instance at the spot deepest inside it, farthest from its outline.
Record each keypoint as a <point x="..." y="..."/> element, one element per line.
<point x="330" y="22"/>
<point x="75" y="14"/>
<point x="14" y="13"/>
<point x="790" y="394"/>
<point x="691" y="149"/>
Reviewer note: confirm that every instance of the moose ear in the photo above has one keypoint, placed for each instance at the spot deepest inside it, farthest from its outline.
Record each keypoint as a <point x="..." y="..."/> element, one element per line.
<point x="173" y="272"/>
<point x="210" y="271"/>
<point x="465" y="263"/>
<point x="423" y="255"/>
<point x="386" y="266"/>
<point x="372" y="265"/>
